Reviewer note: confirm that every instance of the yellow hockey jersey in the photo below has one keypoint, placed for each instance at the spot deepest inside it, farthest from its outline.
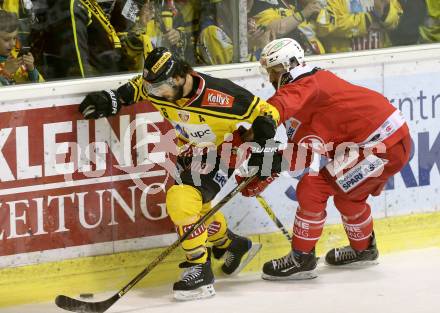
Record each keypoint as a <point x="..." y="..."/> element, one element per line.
<point x="351" y="25"/>
<point x="210" y="115"/>
<point x="141" y="39"/>
<point x="266" y="12"/>
<point x="190" y="10"/>
<point x="214" y="46"/>
<point x="12" y="6"/>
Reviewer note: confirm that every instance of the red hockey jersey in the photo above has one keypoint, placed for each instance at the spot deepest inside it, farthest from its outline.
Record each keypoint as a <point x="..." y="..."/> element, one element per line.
<point x="321" y="111"/>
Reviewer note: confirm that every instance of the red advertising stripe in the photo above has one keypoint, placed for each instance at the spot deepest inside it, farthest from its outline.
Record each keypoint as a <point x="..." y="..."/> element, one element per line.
<point x="66" y="182"/>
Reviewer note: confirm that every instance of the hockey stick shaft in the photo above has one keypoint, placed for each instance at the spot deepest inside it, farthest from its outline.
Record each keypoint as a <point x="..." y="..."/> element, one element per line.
<point x="167" y="251"/>
<point x="75" y="305"/>
<point x="273" y="217"/>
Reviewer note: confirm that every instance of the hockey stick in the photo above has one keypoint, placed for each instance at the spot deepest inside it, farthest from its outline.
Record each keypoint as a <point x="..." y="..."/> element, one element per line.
<point x="273" y="217"/>
<point x="75" y="305"/>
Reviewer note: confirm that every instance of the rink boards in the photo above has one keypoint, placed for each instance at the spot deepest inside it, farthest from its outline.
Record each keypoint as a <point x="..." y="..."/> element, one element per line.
<point x="73" y="212"/>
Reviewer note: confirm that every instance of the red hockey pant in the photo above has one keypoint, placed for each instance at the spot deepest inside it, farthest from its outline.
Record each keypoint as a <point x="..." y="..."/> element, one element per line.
<point x="313" y="191"/>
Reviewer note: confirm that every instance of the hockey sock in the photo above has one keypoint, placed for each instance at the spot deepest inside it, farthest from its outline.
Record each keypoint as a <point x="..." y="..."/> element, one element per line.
<point x="184" y="206"/>
<point x="217" y="229"/>
<point x="359" y="229"/>
<point x="307" y="230"/>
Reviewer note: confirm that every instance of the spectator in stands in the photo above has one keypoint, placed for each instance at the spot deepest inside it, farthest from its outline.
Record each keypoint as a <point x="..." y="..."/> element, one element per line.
<point x="353" y="25"/>
<point x="77" y="40"/>
<point x="285" y="20"/>
<point x="138" y="28"/>
<point x="413" y="16"/>
<point x="16" y="65"/>
<point x="258" y="37"/>
<point x="25" y="10"/>
<point x="191" y="10"/>
<point x="163" y="24"/>
<point x="136" y="42"/>
<point x="215" y="44"/>
<point x="430" y="30"/>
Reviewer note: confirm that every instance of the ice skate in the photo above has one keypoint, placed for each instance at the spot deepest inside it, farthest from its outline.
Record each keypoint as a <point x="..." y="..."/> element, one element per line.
<point x="239" y="253"/>
<point x="197" y="282"/>
<point x="348" y="256"/>
<point x="293" y="266"/>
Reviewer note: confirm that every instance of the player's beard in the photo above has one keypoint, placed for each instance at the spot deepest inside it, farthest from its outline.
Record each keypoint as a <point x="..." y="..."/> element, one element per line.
<point x="275" y="83"/>
<point x="282" y="80"/>
<point x="178" y="92"/>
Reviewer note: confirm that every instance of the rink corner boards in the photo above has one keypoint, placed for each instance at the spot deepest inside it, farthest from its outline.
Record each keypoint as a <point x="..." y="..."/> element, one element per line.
<point x="42" y="282"/>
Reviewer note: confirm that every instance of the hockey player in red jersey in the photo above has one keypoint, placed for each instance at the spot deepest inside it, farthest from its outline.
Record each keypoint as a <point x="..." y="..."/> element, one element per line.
<point x="365" y="139"/>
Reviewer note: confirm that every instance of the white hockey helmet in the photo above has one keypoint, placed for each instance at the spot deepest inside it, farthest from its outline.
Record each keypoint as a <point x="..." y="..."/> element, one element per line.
<point x="281" y="51"/>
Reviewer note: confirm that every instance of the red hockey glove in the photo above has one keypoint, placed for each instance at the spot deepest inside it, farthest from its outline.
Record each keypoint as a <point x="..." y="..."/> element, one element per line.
<point x="256" y="185"/>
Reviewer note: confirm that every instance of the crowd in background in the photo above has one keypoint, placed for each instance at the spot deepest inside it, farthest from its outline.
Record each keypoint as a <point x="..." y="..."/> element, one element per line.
<point x="59" y="39"/>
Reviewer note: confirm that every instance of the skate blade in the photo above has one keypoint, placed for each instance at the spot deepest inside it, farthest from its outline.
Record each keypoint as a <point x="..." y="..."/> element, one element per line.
<point x="297" y="276"/>
<point x="358" y="264"/>
<point x="256" y="247"/>
<point x="199" y="293"/>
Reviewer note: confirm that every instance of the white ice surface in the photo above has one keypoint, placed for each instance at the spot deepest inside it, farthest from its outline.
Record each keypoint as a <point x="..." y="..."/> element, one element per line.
<point x="406" y="282"/>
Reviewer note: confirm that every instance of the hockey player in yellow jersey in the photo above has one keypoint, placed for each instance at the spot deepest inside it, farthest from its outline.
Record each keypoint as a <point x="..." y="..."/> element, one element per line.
<point x="203" y="110"/>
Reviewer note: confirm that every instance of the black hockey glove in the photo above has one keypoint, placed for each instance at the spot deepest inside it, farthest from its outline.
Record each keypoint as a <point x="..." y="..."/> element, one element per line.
<point x="100" y="104"/>
<point x="268" y="159"/>
<point x="263" y="128"/>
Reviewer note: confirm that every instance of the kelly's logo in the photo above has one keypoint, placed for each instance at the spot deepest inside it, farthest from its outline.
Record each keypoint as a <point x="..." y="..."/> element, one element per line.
<point x="215" y="98"/>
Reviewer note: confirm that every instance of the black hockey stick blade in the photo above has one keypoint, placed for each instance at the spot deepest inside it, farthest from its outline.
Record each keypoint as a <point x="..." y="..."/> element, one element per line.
<point x="79" y="306"/>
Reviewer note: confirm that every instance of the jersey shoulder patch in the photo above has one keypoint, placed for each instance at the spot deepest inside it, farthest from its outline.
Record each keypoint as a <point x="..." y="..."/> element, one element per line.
<point x="222" y="95"/>
<point x="216" y="98"/>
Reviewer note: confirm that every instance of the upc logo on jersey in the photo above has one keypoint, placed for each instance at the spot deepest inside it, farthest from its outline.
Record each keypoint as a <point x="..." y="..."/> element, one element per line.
<point x="198" y="133"/>
<point x="215" y="98"/>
